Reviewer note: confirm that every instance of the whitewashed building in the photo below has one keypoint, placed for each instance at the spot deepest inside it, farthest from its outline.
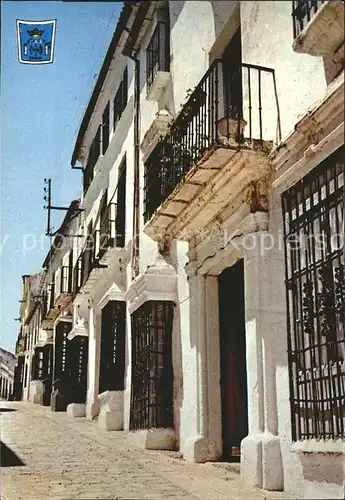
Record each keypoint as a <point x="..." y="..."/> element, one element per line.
<point x="7" y="364"/>
<point x="209" y="281"/>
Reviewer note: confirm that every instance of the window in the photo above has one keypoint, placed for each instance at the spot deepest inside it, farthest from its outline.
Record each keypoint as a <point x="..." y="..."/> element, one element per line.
<point x="158" y="49"/>
<point x="152" y="371"/>
<point x="314" y="251"/>
<point x="105" y="128"/>
<point x="120" y="219"/>
<point x="77" y="278"/>
<point x="66" y="276"/>
<point x="121" y="97"/>
<point x="94" y="153"/>
<point x="113" y="337"/>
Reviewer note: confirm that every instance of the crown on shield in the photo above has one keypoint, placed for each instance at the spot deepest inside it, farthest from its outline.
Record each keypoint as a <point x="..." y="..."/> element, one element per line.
<point x="35" y="33"/>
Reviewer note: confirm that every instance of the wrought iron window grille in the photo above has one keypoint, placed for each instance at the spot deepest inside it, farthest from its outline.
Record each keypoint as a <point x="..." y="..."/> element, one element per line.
<point x="158" y="52"/>
<point x="315" y="286"/>
<point x="95" y="151"/>
<point x="120" y="100"/>
<point x="152" y="370"/>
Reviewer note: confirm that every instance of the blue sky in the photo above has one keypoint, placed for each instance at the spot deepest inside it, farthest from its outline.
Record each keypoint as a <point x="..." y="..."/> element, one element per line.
<point x="41" y="110"/>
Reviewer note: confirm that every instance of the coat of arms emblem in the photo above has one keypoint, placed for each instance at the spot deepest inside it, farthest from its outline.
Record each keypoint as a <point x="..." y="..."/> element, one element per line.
<point x="36" y="40"/>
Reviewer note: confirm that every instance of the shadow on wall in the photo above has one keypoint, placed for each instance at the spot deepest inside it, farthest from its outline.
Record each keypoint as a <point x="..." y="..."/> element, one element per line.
<point x="323" y="467"/>
<point x="7" y="457"/>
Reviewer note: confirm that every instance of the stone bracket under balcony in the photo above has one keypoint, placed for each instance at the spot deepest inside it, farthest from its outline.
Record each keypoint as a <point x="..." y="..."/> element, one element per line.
<point x="93" y="278"/>
<point x="324" y="33"/>
<point x="159" y="84"/>
<point x="158" y="128"/>
<point x="207" y="189"/>
<point x="63" y="300"/>
<point x="112" y="255"/>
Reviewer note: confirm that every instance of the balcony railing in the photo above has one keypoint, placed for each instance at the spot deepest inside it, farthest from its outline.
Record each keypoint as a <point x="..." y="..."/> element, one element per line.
<point x="107" y="228"/>
<point x="157" y="53"/>
<point x="302" y="13"/>
<point x="90" y="256"/>
<point x="227" y="108"/>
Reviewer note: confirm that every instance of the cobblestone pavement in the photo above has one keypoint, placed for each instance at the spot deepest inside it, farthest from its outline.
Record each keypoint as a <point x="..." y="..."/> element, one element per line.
<point x="68" y="458"/>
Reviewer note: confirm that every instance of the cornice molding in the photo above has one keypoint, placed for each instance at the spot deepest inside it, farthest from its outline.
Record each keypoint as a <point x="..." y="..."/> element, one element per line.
<point x="159" y="282"/>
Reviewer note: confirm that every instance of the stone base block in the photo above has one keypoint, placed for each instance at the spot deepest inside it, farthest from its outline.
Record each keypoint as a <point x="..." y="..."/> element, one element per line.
<point x="37" y="399"/>
<point x="272" y="464"/>
<point x="76" y="410"/>
<point x="111" y="420"/>
<point x="153" y="439"/>
<point x="196" y="449"/>
<point x="261" y="462"/>
<point x="92" y="409"/>
<point x="36" y="392"/>
<point x="111" y="401"/>
<point x="251" y="460"/>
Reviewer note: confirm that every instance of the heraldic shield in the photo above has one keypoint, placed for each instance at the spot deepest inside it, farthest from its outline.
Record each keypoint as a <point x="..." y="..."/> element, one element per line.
<point x="36" y="40"/>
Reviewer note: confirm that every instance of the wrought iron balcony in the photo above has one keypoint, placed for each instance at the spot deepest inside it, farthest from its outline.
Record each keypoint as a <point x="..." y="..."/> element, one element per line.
<point x="111" y="232"/>
<point x="302" y="13"/>
<point x="229" y="110"/>
<point x="52" y="310"/>
<point x="91" y="269"/>
<point x="64" y="286"/>
<point x="318" y="26"/>
<point x="158" y="61"/>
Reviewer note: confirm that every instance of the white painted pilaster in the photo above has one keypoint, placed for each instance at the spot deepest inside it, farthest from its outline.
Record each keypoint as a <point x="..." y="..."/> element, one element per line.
<point x="92" y="403"/>
<point x="261" y="461"/>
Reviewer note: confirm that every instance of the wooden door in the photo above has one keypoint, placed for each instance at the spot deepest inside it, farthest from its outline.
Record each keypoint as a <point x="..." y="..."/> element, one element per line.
<point x="233" y="358"/>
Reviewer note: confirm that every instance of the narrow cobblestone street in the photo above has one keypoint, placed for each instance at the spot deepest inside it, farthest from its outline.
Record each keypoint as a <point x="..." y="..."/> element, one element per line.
<point x="68" y="458"/>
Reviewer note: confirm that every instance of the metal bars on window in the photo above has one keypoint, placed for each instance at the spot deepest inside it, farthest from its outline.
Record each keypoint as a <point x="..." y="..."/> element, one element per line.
<point x="112" y="356"/>
<point x="105" y="128"/>
<point x="120" y="100"/>
<point x="302" y="12"/>
<point x="313" y="211"/>
<point x="158" y="52"/>
<point x="152" y="371"/>
<point x="95" y="151"/>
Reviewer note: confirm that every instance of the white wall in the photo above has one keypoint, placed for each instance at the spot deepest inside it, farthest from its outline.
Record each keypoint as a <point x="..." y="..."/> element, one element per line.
<point x="267" y="36"/>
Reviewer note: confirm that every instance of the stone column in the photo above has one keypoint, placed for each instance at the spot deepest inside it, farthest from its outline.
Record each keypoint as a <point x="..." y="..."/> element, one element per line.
<point x="92" y="403"/>
<point x="261" y="461"/>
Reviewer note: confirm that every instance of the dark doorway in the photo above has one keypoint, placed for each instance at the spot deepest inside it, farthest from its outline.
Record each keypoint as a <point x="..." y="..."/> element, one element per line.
<point x="233" y="359"/>
<point x="113" y="339"/>
<point x="232" y="74"/>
